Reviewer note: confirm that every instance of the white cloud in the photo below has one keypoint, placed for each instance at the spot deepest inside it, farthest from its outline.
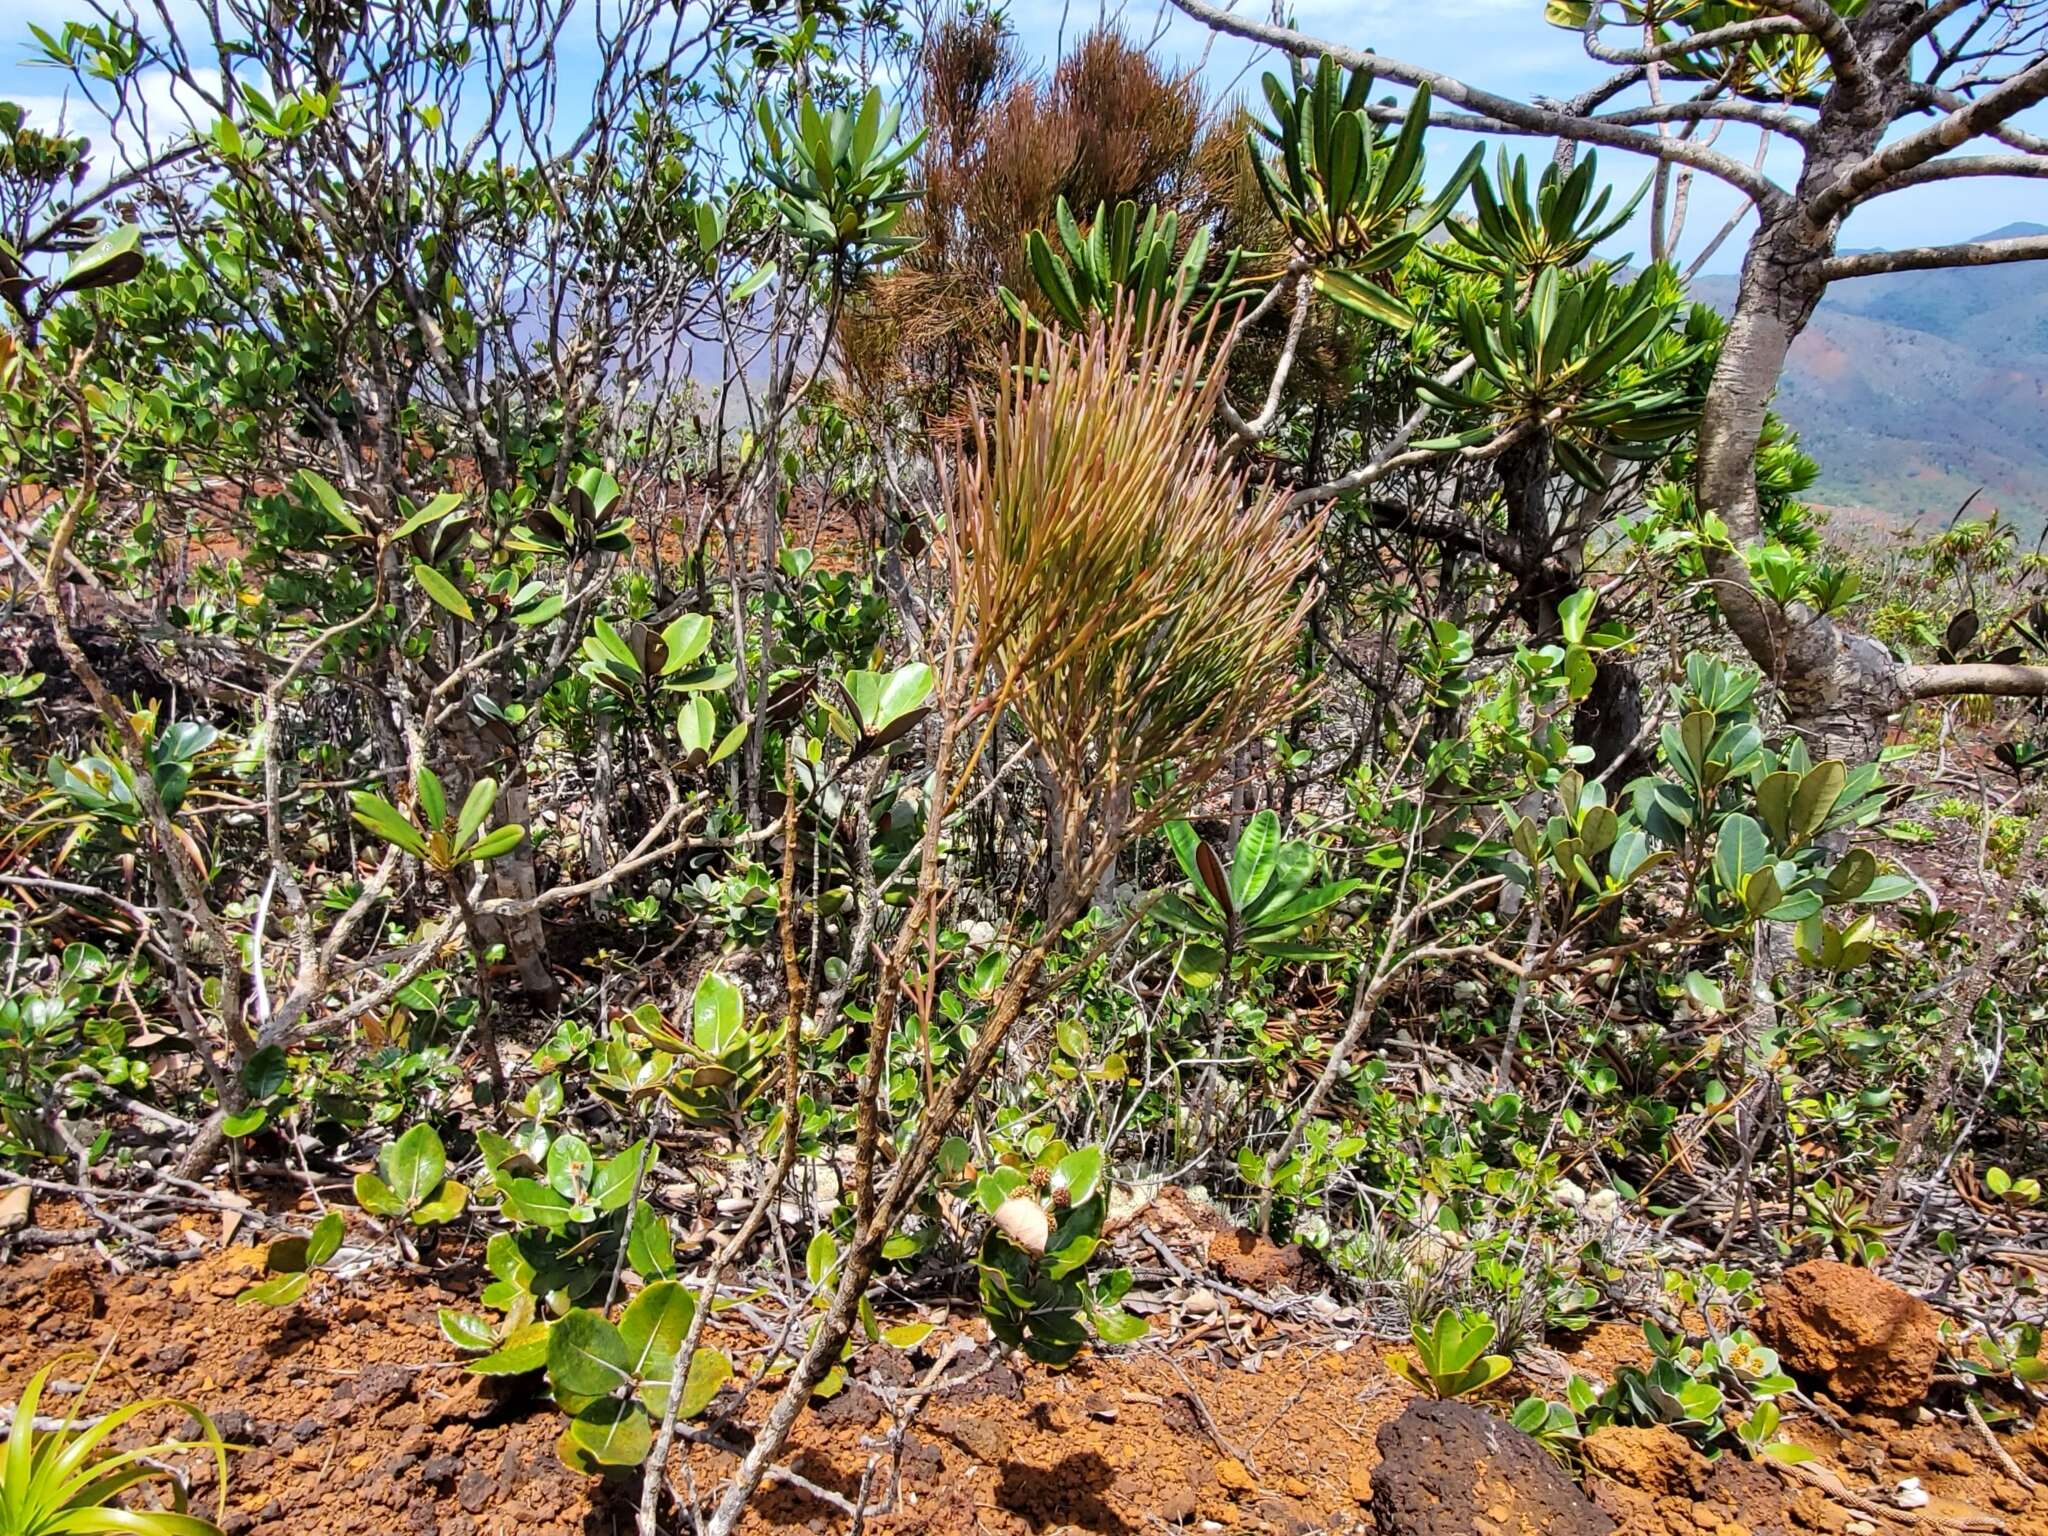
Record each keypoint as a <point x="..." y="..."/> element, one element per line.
<point x="159" y="109"/>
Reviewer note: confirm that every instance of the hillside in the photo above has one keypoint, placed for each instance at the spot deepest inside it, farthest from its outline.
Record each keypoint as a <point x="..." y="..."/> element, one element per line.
<point x="1915" y="389"/>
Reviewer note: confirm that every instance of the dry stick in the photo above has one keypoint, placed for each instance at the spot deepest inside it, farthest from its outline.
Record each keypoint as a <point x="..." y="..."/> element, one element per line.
<point x="785" y="1159"/>
<point x="776" y="1474"/>
<point x="1826" y="1481"/>
<point x="1223" y="1446"/>
<point x="2012" y="1468"/>
<point x="1251" y="1299"/>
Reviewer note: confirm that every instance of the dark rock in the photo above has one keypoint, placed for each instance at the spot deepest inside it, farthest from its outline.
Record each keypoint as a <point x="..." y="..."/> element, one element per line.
<point x="381" y="1384"/>
<point x="1449" y="1469"/>
<point x="856" y="1406"/>
<point x="475" y="1489"/>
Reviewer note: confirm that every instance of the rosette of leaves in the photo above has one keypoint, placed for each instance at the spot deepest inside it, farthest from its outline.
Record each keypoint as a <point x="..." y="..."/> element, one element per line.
<point x="1259" y="909"/>
<point x="1773" y="863"/>
<point x="74" y="1479"/>
<point x="880" y="707"/>
<point x="1117" y="261"/>
<point x="1348" y="195"/>
<point x="411" y="1182"/>
<point x="538" y="1276"/>
<point x="102" y="789"/>
<point x="291" y="1261"/>
<point x="1604" y="368"/>
<point x="1765" y="817"/>
<point x="571" y="1186"/>
<point x="1691" y="1390"/>
<point x="1551" y="1425"/>
<point x="720" y="1067"/>
<point x="840" y="182"/>
<point x="1516" y="231"/>
<point x="2011" y="1359"/>
<point x="1592" y="851"/>
<point x="1033" y="1292"/>
<point x="576" y="525"/>
<point x="1450" y="1355"/>
<point x="614" y="1379"/>
<point x="638" y="665"/>
<point x="440" y="839"/>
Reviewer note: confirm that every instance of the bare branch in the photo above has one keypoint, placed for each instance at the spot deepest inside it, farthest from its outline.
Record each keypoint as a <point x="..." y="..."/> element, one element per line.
<point x="1870" y="174"/>
<point x="1508" y="114"/>
<point x="1923" y="258"/>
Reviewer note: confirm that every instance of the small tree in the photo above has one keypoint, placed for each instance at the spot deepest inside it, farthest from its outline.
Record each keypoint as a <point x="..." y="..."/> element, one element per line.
<point x="1871" y="100"/>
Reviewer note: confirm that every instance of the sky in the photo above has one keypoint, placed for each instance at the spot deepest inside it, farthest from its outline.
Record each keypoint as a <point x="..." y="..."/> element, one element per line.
<point x="1503" y="45"/>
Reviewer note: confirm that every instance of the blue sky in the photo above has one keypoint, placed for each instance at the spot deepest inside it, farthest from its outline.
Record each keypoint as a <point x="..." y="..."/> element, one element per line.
<point x="1502" y="44"/>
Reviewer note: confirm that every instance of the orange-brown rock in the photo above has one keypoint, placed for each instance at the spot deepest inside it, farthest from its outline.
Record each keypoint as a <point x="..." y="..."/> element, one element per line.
<point x="1244" y="1258"/>
<point x="1860" y="1338"/>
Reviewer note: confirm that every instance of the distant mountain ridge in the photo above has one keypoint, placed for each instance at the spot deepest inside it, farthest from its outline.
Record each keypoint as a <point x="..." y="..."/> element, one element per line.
<point x="1916" y="388"/>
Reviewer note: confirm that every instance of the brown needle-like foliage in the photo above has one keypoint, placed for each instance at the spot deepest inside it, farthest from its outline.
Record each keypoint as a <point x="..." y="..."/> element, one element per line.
<point x="1139" y="599"/>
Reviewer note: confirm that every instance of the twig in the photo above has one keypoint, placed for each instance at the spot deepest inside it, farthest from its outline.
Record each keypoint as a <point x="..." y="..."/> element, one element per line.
<point x="1251" y="1299"/>
<point x="1831" y="1485"/>
<point x="1223" y="1446"/>
<point x="2012" y="1468"/>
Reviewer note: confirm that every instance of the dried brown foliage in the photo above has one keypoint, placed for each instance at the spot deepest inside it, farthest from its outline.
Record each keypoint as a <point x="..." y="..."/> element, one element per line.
<point x="1002" y="148"/>
<point x="1138" y="599"/>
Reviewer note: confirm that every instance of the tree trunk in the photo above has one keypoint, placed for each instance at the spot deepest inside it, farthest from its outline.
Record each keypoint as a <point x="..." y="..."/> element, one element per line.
<point x="492" y="750"/>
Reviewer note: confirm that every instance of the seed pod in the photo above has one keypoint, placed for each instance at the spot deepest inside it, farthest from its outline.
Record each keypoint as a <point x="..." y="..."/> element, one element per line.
<point x="1023" y="1220"/>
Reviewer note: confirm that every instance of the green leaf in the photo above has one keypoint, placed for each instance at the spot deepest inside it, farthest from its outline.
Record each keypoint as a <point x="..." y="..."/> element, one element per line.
<point x="449" y="1202"/>
<point x="245" y="1123"/>
<point x="465" y="1331"/>
<point x="1574" y="613"/>
<point x="322" y="494"/>
<point x="113" y="258"/>
<point x="414" y="1165"/>
<point x="684" y="641"/>
<point x="325" y="1240"/>
<point x="525" y="1350"/>
<point x="1740" y="849"/>
<point x="476" y="805"/>
<point x="1251" y="867"/>
<point x="653" y="1326"/>
<point x="1078" y="1173"/>
<point x="650" y="1247"/>
<point x="1818" y="791"/>
<point x="612" y="1432"/>
<point x="375" y="1196"/>
<point x="709" y="1370"/>
<point x="587" y="1356"/>
<point x="571" y="1166"/>
<point x="820" y="1256"/>
<point x="432" y="799"/>
<point x="442" y="590"/>
<point x="1200" y="965"/>
<point x="388" y="822"/>
<point x="717" y="1016"/>
<point x="497" y="841"/>
<point x="441" y="506"/>
<point x="612" y="1185"/>
<point x="1364" y="298"/>
<point x="280" y="1292"/>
